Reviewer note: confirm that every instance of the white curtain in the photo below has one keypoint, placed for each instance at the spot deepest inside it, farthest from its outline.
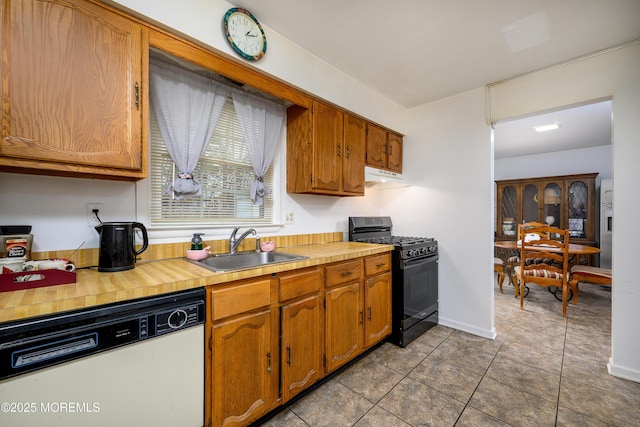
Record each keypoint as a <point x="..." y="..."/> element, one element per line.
<point x="261" y="121"/>
<point x="187" y="106"/>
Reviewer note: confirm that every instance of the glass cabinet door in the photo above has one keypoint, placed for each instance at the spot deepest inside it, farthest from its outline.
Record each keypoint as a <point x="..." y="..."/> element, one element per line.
<point x="552" y="199"/>
<point x="509" y="211"/>
<point x="577" y="205"/>
<point x="530" y="203"/>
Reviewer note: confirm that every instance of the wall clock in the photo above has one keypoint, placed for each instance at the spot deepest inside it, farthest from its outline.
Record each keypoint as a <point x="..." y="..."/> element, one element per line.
<point x="245" y="34"/>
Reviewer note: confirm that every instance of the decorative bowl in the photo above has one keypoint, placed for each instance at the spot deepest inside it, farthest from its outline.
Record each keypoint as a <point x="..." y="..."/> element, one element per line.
<point x="197" y="254"/>
<point x="267" y="246"/>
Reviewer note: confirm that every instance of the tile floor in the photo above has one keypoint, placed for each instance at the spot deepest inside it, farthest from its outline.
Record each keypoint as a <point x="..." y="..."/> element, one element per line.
<point x="542" y="370"/>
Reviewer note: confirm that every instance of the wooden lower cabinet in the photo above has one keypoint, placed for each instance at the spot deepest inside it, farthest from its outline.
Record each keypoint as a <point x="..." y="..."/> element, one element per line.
<point x="377" y="298"/>
<point x="343" y="325"/>
<point x="301" y="350"/>
<point x="268" y="337"/>
<point x="242" y="369"/>
<point x="377" y="302"/>
<point x="242" y="359"/>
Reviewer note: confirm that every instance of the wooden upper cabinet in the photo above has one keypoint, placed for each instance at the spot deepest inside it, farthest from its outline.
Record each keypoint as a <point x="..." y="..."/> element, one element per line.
<point x="325" y="151"/>
<point x="394" y="152"/>
<point x="384" y="148"/>
<point x="74" y="79"/>
<point x="376" y="146"/>
<point x="353" y="154"/>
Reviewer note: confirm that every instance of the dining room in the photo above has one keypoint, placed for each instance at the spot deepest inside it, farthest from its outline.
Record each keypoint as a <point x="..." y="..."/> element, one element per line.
<point x="554" y="168"/>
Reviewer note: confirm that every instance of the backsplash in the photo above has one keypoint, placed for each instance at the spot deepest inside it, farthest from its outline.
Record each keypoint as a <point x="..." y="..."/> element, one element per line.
<point x="89" y="257"/>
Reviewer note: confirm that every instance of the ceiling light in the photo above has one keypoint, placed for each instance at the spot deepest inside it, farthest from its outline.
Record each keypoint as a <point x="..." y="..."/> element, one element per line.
<point x="545" y="128"/>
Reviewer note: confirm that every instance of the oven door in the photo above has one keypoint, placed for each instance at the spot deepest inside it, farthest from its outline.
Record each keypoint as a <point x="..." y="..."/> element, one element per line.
<point x="419" y="286"/>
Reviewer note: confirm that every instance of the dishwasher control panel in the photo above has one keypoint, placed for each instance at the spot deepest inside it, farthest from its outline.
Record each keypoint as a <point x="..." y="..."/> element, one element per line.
<point x="179" y="318"/>
<point x="37" y="343"/>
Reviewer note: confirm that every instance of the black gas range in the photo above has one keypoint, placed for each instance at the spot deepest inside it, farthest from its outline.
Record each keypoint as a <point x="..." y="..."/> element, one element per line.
<point x="414" y="276"/>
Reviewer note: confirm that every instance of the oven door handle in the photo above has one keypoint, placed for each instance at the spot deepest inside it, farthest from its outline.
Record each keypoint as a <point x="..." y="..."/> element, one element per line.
<point x="414" y="262"/>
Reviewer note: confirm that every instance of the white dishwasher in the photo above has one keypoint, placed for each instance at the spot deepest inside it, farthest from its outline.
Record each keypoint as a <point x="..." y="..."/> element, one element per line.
<point x="138" y="363"/>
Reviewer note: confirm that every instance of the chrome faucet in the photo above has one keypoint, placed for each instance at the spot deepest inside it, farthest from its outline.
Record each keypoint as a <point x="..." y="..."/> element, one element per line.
<point x="233" y="243"/>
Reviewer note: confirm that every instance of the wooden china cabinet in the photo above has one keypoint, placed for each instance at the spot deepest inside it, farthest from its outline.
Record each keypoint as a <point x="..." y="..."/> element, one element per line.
<point x="567" y="202"/>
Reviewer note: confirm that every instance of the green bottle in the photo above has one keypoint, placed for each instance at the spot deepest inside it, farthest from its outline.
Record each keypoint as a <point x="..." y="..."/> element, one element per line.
<point x="196" y="242"/>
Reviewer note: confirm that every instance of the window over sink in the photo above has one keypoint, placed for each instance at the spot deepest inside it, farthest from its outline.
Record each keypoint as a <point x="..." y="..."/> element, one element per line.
<point x="225" y="173"/>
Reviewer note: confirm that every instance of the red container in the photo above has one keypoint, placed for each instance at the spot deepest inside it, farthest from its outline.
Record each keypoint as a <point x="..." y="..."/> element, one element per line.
<point x="41" y="278"/>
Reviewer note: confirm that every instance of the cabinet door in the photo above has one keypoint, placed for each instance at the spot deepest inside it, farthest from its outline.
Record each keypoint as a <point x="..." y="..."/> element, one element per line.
<point x="344" y="322"/>
<point x="301" y="352"/>
<point x="376" y="146"/>
<point x="507" y="211"/>
<point x="394" y="152"/>
<point x="241" y="369"/>
<point x="580" y="208"/>
<point x="71" y="95"/>
<point x="531" y="203"/>
<point x="353" y="155"/>
<point x="552" y="204"/>
<point x="377" y="305"/>
<point x="327" y="147"/>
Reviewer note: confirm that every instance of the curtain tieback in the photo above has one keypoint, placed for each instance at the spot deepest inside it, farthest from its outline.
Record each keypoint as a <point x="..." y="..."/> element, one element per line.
<point x="184" y="175"/>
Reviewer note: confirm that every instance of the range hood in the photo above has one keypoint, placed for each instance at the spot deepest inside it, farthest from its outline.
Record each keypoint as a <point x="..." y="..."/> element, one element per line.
<point x="383" y="178"/>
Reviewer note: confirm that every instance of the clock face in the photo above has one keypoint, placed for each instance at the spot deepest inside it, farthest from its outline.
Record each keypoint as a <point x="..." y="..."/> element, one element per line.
<point x="244" y="33"/>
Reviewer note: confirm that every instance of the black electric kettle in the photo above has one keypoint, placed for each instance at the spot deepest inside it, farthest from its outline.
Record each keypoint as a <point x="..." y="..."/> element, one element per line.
<point x="117" y="245"/>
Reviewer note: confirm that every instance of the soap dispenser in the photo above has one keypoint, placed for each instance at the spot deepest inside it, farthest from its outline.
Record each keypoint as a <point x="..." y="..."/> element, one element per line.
<point x="196" y="241"/>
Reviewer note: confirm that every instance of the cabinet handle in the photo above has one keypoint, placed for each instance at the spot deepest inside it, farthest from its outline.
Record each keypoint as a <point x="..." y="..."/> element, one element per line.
<point x="346" y="273"/>
<point x="369" y="314"/>
<point x="380" y="265"/>
<point x="339" y="150"/>
<point x="269" y="363"/>
<point x="289" y="355"/>
<point x="347" y="151"/>
<point x="384" y="149"/>
<point x="361" y="317"/>
<point x="390" y="149"/>
<point x="137" y="95"/>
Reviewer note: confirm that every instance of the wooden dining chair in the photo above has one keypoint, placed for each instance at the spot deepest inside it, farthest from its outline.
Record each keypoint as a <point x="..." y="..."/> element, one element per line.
<point x="498" y="267"/>
<point x="544" y="261"/>
<point x="588" y="274"/>
<point x="514" y="260"/>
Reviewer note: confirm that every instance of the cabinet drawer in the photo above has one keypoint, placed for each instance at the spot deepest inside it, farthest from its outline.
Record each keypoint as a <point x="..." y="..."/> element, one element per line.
<point x="377" y="264"/>
<point x="240" y="298"/>
<point x="343" y="272"/>
<point x="298" y="283"/>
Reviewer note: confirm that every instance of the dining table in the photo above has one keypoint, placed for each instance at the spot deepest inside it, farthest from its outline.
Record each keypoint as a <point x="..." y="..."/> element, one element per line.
<point x="508" y="248"/>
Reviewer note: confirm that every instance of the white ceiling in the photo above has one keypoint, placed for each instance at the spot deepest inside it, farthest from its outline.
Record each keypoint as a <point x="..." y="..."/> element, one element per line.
<point x="418" y="51"/>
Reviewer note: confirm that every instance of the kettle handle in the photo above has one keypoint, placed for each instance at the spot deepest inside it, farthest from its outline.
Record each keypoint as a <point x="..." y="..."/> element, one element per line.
<point x="145" y="237"/>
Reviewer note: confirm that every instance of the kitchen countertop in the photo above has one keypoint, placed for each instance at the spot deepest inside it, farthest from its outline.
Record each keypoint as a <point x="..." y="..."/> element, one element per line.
<point x="150" y="278"/>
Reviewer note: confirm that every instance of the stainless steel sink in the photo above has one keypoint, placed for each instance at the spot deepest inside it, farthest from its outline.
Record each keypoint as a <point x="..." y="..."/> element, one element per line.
<point x="244" y="260"/>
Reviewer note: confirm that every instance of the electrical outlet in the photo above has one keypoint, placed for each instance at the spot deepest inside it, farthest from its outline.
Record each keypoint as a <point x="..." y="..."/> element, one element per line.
<point x="288" y="217"/>
<point x="93" y="217"/>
